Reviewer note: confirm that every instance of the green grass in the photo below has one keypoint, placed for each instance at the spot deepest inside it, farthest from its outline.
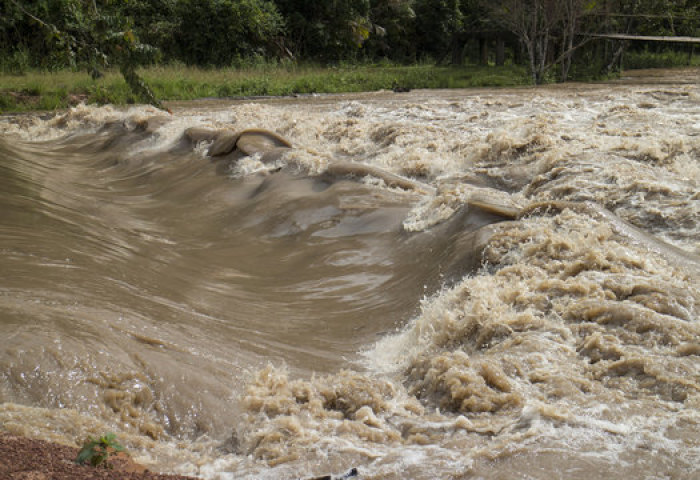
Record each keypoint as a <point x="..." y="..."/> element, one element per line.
<point x="34" y="90"/>
<point x="23" y="89"/>
<point x="646" y="59"/>
<point x="178" y="83"/>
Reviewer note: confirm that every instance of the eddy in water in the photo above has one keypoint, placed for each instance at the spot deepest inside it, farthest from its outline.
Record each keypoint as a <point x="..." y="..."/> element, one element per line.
<point x="498" y="284"/>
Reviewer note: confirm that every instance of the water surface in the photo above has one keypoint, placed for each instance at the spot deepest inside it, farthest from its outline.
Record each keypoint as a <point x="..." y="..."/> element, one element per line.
<point x="232" y="319"/>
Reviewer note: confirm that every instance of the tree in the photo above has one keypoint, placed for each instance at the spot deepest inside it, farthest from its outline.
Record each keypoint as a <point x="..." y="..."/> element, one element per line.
<point x="393" y="29"/>
<point x="20" y="33"/>
<point x="84" y="35"/>
<point x="649" y="18"/>
<point x="217" y="32"/>
<point x="156" y="22"/>
<point x="328" y="30"/>
<point x="572" y="14"/>
<point x="544" y="25"/>
<point x="533" y="21"/>
<point x="439" y="22"/>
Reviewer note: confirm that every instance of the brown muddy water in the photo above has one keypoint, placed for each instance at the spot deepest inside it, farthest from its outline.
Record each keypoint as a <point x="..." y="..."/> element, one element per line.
<point x="525" y="306"/>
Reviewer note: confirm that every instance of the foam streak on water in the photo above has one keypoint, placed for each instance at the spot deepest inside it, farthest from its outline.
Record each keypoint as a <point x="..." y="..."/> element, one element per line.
<point x="231" y="318"/>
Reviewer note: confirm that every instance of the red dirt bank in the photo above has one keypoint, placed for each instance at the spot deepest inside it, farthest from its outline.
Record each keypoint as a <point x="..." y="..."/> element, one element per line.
<point x="30" y="459"/>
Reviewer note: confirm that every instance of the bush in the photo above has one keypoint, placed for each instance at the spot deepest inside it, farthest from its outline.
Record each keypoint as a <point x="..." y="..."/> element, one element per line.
<point x="16" y="63"/>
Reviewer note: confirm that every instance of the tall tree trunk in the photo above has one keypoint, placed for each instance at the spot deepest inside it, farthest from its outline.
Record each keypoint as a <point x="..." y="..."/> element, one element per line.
<point x="473" y="51"/>
<point x="533" y="63"/>
<point x="567" y="54"/>
<point x="457" y="49"/>
<point x="500" y="52"/>
<point x="483" y="51"/>
<point x="518" y="53"/>
<point x="616" y="58"/>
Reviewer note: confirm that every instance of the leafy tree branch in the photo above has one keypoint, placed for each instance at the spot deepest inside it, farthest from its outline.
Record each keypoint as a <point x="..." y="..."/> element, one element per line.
<point x="100" y="40"/>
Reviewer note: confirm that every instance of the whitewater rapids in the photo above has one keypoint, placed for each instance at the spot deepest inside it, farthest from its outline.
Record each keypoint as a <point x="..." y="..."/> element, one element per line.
<point x="242" y="318"/>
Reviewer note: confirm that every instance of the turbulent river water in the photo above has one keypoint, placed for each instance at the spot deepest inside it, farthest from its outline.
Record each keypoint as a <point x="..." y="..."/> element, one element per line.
<point x="525" y="306"/>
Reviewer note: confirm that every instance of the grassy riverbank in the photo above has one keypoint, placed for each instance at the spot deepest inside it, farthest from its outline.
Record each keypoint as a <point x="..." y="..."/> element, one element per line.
<point x="47" y="91"/>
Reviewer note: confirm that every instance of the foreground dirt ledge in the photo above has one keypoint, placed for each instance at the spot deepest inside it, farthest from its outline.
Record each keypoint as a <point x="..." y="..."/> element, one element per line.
<point x="30" y="459"/>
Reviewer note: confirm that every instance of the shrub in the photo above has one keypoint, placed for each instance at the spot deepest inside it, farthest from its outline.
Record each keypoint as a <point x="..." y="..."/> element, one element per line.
<point x="97" y="451"/>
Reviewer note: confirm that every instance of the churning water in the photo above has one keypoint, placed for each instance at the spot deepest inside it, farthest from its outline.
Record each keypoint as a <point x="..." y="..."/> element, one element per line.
<point x="521" y="303"/>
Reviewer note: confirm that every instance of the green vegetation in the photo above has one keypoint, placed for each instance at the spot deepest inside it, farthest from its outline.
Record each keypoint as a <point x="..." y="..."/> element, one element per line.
<point x="94" y="38"/>
<point x="36" y="90"/>
<point x="96" y="452"/>
<point x="660" y="59"/>
<point x="179" y="49"/>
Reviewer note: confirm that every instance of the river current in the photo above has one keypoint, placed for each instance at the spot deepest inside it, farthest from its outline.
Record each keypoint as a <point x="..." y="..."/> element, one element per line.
<point x="525" y="306"/>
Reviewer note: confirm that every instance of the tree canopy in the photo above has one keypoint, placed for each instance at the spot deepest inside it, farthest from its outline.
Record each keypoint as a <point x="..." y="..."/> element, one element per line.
<point x="551" y="37"/>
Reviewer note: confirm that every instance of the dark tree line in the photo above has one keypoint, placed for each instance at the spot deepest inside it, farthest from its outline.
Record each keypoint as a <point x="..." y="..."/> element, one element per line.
<point x="549" y="36"/>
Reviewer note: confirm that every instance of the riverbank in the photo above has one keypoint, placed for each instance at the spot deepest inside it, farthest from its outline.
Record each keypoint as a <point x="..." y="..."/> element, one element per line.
<point x="37" y="90"/>
<point x="29" y="458"/>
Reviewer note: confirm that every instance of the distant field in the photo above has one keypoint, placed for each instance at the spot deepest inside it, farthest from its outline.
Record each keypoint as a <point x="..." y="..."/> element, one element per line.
<point x="36" y="90"/>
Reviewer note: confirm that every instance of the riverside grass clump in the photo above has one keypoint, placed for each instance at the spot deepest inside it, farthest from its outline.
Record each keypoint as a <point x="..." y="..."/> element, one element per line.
<point x="39" y="90"/>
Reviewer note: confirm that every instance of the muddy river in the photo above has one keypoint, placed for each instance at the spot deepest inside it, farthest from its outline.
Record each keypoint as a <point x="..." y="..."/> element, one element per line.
<point x="465" y="284"/>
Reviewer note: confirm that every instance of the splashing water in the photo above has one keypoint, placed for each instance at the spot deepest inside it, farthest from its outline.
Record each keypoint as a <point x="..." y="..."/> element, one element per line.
<point x="521" y="303"/>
